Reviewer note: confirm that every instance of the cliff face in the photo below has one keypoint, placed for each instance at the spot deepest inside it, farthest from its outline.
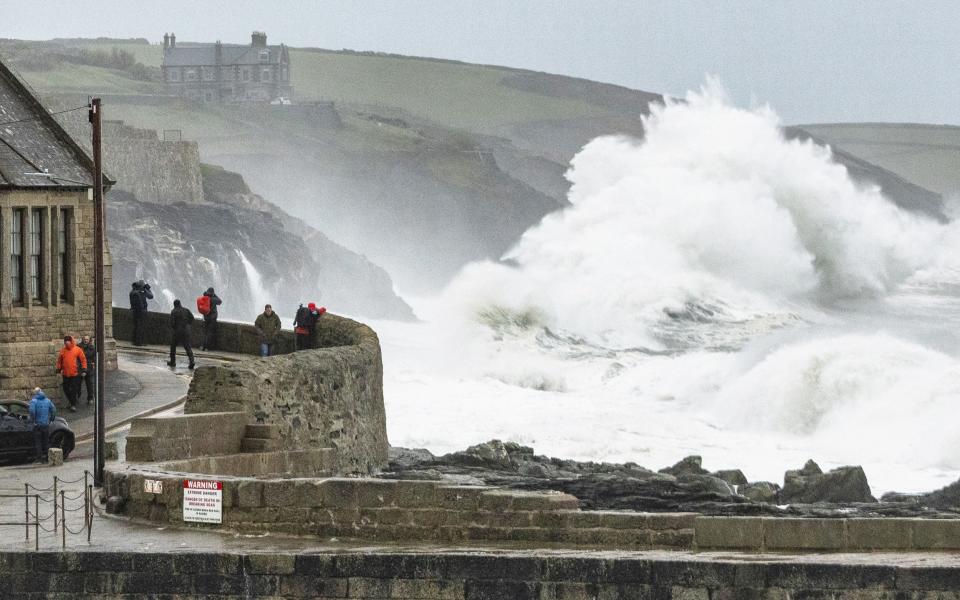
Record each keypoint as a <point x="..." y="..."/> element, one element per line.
<point x="247" y="256"/>
<point x="184" y="228"/>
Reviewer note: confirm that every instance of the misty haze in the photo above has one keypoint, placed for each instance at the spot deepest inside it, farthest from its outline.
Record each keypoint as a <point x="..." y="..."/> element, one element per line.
<point x="715" y="240"/>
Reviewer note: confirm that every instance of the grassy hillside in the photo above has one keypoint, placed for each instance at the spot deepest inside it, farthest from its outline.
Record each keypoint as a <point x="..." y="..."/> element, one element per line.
<point x="459" y="95"/>
<point x="928" y="155"/>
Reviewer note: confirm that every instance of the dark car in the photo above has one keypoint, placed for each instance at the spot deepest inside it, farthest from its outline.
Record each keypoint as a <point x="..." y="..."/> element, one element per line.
<point x="16" y="433"/>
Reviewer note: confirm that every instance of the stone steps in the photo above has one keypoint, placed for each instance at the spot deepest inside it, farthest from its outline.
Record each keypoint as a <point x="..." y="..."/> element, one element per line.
<point x="260" y="437"/>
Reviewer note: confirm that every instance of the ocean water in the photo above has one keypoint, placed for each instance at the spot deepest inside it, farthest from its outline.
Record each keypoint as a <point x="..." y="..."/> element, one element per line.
<point x="714" y="290"/>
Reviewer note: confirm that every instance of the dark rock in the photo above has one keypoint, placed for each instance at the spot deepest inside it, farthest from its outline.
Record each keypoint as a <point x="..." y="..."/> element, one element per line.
<point x="811" y="484"/>
<point x="731" y="476"/>
<point x="706" y="484"/>
<point x="688" y="466"/>
<point x="760" y="491"/>
<point x="535" y="469"/>
<point x="492" y="454"/>
<point x="408" y="458"/>
<point x="946" y="497"/>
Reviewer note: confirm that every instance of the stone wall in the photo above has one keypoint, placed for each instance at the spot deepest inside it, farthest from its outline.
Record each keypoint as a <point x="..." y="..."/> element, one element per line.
<point x="32" y="334"/>
<point x="240" y="338"/>
<point x="330" y="397"/>
<point x="153" y="170"/>
<point x="394" y="511"/>
<point x="755" y="534"/>
<point x="465" y="575"/>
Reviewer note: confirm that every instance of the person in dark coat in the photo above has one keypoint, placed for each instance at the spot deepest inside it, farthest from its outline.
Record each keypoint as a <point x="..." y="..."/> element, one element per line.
<point x="180" y="321"/>
<point x="138" y="304"/>
<point x="210" y="321"/>
<point x="90" y="351"/>
<point x="305" y="323"/>
<point x="268" y="326"/>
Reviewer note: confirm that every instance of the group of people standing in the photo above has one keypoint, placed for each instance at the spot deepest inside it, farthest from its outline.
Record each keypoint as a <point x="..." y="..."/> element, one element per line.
<point x="267" y="324"/>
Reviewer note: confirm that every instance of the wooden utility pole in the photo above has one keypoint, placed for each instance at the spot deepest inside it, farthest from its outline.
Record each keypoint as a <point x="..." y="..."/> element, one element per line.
<point x="99" y="324"/>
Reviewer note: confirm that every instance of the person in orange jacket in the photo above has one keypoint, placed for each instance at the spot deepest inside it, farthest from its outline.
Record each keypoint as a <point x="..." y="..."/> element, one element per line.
<point x="72" y="365"/>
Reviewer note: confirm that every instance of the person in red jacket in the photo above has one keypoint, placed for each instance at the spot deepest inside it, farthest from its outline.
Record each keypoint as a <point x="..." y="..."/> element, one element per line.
<point x="72" y="365"/>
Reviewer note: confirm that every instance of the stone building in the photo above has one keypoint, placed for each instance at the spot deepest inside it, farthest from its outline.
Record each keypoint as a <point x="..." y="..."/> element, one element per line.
<point x="227" y="73"/>
<point x="46" y="242"/>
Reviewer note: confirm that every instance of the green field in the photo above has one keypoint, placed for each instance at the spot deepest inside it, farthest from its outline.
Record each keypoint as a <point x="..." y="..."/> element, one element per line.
<point x="928" y="155"/>
<point x="457" y="95"/>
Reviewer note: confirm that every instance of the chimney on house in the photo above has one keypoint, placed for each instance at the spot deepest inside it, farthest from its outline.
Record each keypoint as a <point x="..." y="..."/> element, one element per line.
<point x="173" y="40"/>
<point x="258" y="39"/>
<point x="166" y="41"/>
<point x="218" y="53"/>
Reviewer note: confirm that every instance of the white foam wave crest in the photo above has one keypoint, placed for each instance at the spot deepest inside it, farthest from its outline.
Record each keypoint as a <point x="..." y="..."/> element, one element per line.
<point x="713" y="218"/>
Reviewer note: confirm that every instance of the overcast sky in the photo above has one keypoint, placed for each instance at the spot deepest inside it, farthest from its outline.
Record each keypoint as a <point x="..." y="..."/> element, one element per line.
<point x="813" y="60"/>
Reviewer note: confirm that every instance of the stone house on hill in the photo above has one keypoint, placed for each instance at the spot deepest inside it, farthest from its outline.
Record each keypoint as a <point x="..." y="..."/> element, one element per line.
<point x="227" y="73"/>
<point x="46" y="243"/>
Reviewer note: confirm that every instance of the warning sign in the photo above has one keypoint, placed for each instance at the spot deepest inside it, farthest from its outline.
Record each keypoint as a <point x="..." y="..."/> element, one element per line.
<point x="202" y="501"/>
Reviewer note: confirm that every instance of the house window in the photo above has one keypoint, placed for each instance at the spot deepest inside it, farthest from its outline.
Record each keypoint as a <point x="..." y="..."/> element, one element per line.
<point x="208" y="73"/>
<point x="16" y="254"/>
<point x="36" y="255"/>
<point x="265" y="75"/>
<point x="246" y="74"/>
<point x="63" y="262"/>
<point x="264" y="55"/>
<point x="173" y="75"/>
<point x="208" y="96"/>
<point x="191" y="75"/>
<point x="284" y="75"/>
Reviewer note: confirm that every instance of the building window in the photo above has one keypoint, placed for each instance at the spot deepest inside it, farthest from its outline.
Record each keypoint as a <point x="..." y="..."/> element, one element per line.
<point x="246" y="74"/>
<point x="36" y="255"/>
<point x="16" y="255"/>
<point x="284" y="75"/>
<point x="265" y="75"/>
<point x="264" y="55"/>
<point x="63" y="261"/>
<point x="208" y="73"/>
<point x="191" y="75"/>
<point x="173" y="75"/>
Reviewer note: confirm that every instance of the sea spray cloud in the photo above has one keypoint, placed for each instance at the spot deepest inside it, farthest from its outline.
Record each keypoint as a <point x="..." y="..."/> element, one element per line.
<point x="713" y="218"/>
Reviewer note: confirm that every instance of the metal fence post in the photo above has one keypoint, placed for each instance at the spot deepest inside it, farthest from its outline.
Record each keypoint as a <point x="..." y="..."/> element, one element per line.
<point x="62" y="512"/>
<point x="36" y="521"/>
<point x="55" y="504"/>
<point x="26" y="508"/>
<point x="89" y="512"/>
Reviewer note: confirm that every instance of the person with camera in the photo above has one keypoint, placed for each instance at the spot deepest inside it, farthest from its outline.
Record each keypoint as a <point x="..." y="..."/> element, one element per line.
<point x="138" y="305"/>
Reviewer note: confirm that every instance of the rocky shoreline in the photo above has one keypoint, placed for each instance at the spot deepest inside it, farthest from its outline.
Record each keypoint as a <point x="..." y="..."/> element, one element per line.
<point x="685" y="486"/>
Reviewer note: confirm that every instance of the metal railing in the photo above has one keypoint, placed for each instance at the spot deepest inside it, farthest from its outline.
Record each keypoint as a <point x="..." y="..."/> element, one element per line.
<point x="63" y="503"/>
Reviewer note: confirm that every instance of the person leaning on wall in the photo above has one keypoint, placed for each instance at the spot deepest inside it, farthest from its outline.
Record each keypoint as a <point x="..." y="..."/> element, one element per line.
<point x="268" y="328"/>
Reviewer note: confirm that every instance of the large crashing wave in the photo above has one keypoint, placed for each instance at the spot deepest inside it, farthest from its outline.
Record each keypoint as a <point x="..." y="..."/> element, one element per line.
<point x="711" y="229"/>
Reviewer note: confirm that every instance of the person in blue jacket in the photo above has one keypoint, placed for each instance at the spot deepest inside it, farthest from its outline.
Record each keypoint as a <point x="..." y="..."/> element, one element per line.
<point x="42" y="413"/>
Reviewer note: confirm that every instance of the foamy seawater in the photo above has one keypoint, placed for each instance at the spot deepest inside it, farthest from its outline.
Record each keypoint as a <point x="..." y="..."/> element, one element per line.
<point x="714" y="290"/>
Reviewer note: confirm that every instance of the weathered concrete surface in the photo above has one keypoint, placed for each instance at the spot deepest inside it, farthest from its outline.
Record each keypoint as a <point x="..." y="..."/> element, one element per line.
<point x="755" y="534"/>
<point x="331" y="397"/>
<point x="286" y="463"/>
<point x="154" y="439"/>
